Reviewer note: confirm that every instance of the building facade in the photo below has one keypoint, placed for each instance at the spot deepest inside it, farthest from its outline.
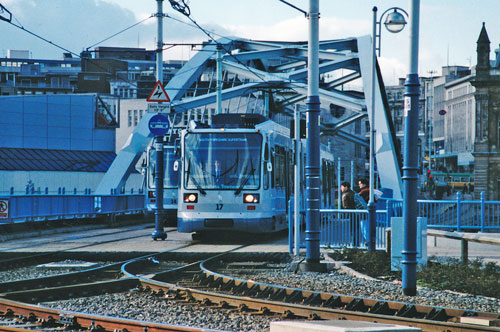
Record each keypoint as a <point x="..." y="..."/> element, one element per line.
<point x="487" y="114"/>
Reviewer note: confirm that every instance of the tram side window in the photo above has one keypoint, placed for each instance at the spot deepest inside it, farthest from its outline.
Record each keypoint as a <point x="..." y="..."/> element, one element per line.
<point x="266" y="172"/>
<point x="279" y="174"/>
<point x="274" y="168"/>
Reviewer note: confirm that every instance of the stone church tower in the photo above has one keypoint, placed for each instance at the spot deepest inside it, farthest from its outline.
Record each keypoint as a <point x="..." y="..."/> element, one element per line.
<point x="487" y="137"/>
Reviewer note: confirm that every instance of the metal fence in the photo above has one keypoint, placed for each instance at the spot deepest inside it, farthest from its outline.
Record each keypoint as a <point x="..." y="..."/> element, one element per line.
<point x="347" y="228"/>
<point x="455" y="215"/>
<point x="22" y="208"/>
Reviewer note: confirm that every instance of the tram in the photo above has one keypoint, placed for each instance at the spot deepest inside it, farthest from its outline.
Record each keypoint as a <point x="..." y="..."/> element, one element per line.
<point x="439" y="183"/>
<point x="170" y="180"/>
<point x="236" y="175"/>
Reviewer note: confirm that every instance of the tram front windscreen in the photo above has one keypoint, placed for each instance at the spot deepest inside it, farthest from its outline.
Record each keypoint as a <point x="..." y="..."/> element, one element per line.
<point x="228" y="161"/>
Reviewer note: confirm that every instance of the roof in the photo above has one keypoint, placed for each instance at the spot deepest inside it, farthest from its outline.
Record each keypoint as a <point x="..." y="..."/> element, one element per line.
<point x="14" y="159"/>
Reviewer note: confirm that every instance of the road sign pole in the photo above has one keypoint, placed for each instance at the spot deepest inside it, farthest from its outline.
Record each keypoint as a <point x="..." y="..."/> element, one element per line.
<point x="159" y="125"/>
<point x="159" y="232"/>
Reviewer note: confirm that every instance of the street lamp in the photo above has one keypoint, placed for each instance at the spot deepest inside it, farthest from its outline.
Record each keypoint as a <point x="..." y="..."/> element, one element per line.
<point x="395" y="22"/>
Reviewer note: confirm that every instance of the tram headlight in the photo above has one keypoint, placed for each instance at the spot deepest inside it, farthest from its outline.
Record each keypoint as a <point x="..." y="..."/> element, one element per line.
<point x="251" y="198"/>
<point x="191" y="198"/>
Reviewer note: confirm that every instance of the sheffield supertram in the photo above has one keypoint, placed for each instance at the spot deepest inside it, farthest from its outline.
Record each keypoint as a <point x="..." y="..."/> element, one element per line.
<point x="170" y="179"/>
<point x="236" y="175"/>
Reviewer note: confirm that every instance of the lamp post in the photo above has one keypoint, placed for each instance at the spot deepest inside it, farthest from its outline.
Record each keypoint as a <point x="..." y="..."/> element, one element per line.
<point x="410" y="167"/>
<point x="395" y="22"/>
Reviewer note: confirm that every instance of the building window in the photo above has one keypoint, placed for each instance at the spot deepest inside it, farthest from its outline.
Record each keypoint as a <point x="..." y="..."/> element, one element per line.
<point x="498" y="134"/>
<point x="129" y="118"/>
<point x="135" y="118"/>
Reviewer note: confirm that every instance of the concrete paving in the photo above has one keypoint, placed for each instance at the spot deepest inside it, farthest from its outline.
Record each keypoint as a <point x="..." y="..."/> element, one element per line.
<point x="443" y="247"/>
<point x="84" y="239"/>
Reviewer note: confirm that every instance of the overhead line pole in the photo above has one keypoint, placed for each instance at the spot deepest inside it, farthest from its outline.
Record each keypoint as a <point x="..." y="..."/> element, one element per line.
<point x="159" y="232"/>
<point x="312" y="169"/>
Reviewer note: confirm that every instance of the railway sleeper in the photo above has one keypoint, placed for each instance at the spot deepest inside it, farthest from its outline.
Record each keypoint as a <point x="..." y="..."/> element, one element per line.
<point x="240" y="288"/>
<point x="251" y="291"/>
<point x="49" y="322"/>
<point x="357" y="305"/>
<point x="227" y="286"/>
<point x="381" y="308"/>
<point x="438" y="315"/>
<point x="313" y="299"/>
<point x="333" y="302"/>
<point x="408" y="311"/>
<point x="294" y="297"/>
<point x="265" y="293"/>
<point x="278" y="295"/>
<point x="216" y="283"/>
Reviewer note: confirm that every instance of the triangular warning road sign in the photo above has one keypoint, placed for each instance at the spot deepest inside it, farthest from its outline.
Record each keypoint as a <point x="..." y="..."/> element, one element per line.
<point x="158" y="94"/>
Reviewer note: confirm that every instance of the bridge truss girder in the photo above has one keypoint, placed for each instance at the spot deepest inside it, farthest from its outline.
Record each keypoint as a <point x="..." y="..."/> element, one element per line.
<point x="275" y="72"/>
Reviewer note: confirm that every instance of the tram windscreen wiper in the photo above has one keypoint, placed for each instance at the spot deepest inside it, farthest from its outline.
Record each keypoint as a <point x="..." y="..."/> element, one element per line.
<point x="203" y="192"/>
<point x="244" y="182"/>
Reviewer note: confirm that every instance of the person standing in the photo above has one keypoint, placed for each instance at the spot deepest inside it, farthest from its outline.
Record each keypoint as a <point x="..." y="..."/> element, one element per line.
<point x="347" y="196"/>
<point x="364" y="189"/>
<point x="348" y="203"/>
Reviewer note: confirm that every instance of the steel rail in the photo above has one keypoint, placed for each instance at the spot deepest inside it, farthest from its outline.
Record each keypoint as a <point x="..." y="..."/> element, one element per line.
<point x="262" y="298"/>
<point x="68" y="285"/>
<point x="75" y="320"/>
<point x="26" y="260"/>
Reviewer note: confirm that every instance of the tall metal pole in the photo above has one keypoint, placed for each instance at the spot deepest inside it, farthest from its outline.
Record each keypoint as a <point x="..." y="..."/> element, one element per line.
<point x="219" y="79"/>
<point x="339" y="200"/>
<point x="372" y="212"/>
<point x="312" y="169"/>
<point x="429" y="117"/>
<point x="159" y="232"/>
<point x="410" y="167"/>
<point x="159" y="43"/>
<point x="297" y="192"/>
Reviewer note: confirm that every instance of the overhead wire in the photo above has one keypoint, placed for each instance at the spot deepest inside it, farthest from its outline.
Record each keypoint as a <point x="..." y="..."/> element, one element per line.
<point x="183" y="8"/>
<point x="121" y="31"/>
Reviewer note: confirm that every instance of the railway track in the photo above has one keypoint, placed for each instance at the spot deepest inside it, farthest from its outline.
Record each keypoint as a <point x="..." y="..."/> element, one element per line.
<point x="204" y="285"/>
<point x="11" y="259"/>
<point x="208" y="282"/>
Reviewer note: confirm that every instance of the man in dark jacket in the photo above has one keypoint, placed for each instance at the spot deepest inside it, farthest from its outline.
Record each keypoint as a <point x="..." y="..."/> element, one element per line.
<point x="347" y="196"/>
<point x="364" y="189"/>
<point x="348" y="203"/>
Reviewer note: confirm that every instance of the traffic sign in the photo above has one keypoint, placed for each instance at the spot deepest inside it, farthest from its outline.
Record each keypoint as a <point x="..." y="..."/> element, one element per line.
<point x="158" y="108"/>
<point x="4" y="208"/>
<point x="159" y="125"/>
<point x="158" y="94"/>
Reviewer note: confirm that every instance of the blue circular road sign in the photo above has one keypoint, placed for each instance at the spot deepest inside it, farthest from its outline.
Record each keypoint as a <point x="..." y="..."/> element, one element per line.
<point x="442" y="112"/>
<point x="159" y="125"/>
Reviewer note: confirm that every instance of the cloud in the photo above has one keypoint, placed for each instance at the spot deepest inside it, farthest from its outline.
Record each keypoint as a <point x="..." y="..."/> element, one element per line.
<point x="72" y="24"/>
<point x="297" y="29"/>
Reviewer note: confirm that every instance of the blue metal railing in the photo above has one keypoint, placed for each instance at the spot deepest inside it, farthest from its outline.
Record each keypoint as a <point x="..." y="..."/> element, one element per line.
<point x="347" y="228"/>
<point x="22" y="208"/>
<point x="456" y="215"/>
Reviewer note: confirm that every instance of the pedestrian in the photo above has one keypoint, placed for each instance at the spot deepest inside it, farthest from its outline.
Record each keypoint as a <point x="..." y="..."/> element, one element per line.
<point x="347" y="196"/>
<point x="364" y="189"/>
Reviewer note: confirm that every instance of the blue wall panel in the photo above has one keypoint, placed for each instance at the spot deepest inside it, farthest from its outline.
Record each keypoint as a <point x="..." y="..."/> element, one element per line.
<point x="81" y="144"/>
<point x="35" y="142"/>
<point x="10" y="141"/>
<point x="11" y="130"/>
<point x="79" y="121"/>
<point x="59" y="132"/>
<point x="35" y="119"/>
<point x="9" y="118"/>
<point x="53" y="122"/>
<point x="58" y="144"/>
<point x="59" y="120"/>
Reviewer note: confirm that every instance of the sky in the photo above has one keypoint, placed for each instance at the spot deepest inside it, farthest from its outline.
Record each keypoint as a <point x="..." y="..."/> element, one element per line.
<point x="448" y="28"/>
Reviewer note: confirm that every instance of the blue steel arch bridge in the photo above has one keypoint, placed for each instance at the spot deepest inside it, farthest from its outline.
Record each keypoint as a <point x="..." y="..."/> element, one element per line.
<point x="276" y="73"/>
